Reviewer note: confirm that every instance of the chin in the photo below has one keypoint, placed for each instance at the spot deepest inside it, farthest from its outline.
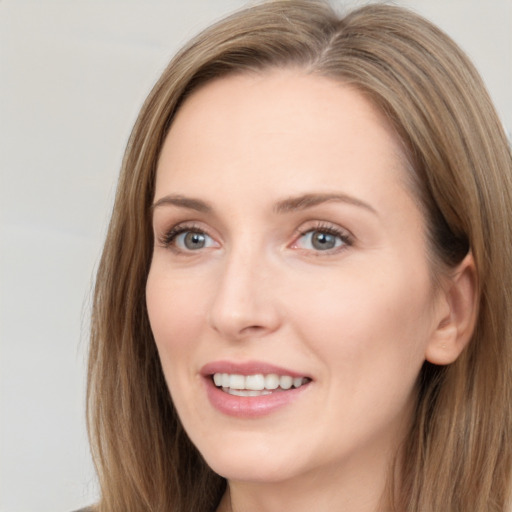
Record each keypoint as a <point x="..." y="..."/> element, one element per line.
<point x="241" y="465"/>
<point x="250" y="473"/>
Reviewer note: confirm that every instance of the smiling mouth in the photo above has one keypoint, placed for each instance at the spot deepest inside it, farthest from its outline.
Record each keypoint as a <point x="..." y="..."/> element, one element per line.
<point x="258" y="384"/>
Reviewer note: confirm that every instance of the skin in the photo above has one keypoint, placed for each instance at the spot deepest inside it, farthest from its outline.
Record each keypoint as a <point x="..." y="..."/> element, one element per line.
<point x="358" y="319"/>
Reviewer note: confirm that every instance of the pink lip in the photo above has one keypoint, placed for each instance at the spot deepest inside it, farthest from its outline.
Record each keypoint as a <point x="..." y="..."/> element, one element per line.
<point x="245" y="406"/>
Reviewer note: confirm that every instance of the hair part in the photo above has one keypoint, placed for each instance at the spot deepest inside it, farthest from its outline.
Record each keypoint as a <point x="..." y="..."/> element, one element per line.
<point x="458" y="454"/>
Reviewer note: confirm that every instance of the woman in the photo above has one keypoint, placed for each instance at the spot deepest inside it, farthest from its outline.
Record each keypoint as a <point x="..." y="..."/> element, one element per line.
<point x="303" y="297"/>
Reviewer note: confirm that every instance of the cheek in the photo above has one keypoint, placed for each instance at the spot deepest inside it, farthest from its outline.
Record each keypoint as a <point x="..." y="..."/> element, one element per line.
<point x="368" y="326"/>
<point x="173" y="307"/>
<point x="177" y="318"/>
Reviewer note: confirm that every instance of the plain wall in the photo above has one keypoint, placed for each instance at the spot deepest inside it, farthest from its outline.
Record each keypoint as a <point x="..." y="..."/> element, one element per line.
<point x="73" y="75"/>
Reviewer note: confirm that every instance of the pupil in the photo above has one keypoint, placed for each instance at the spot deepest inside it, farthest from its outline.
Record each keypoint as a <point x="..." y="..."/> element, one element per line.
<point x="323" y="241"/>
<point x="194" y="241"/>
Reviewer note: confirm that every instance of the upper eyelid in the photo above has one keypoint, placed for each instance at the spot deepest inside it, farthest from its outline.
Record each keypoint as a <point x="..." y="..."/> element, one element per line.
<point x="320" y="225"/>
<point x="192" y="225"/>
<point x="344" y="234"/>
<point x="176" y="229"/>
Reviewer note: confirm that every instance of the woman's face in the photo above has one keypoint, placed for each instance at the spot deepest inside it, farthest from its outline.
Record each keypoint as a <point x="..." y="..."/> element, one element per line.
<point x="289" y="292"/>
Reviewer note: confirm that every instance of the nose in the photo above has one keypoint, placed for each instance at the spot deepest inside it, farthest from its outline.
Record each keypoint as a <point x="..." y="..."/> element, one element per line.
<point x="244" y="303"/>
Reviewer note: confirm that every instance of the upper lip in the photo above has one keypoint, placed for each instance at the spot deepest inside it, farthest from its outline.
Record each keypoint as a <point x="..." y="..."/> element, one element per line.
<point x="247" y="368"/>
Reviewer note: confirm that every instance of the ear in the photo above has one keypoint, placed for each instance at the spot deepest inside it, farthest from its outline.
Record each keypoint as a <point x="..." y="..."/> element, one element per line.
<point x="457" y="314"/>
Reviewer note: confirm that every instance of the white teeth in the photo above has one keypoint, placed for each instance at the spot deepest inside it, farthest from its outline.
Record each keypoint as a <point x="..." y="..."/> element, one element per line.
<point x="246" y="392"/>
<point x="236" y="381"/>
<point x="286" y="382"/>
<point x="257" y="384"/>
<point x="297" y="382"/>
<point x="271" y="381"/>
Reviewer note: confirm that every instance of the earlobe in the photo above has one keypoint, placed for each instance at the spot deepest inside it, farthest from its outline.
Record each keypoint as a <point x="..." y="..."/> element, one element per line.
<point x="457" y="318"/>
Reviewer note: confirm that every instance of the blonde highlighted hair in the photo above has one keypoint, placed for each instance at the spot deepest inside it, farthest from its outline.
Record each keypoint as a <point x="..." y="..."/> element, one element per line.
<point x="458" y="453"/>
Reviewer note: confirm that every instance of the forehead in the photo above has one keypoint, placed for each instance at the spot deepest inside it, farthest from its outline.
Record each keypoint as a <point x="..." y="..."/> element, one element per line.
<point x="280" y="128"/>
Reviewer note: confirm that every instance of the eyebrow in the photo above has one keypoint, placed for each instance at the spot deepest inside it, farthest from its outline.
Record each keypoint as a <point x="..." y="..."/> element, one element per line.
<point x="290" y="204"/>
<point x="184" y="202"/>
<point x="305" y="201"/>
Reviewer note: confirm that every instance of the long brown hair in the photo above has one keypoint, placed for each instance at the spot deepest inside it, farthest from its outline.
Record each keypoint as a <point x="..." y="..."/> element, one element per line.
<point x="458" y="454"/>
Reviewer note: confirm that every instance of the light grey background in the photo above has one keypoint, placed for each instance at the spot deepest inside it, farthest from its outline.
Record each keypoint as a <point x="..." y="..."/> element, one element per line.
<point x="73" y="75"/>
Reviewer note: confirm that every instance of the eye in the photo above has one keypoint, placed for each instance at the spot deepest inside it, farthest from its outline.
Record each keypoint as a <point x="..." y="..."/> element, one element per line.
<point x="183" y="238"/>
<point x="191" y="240"/>
<point x="322" y="239"/>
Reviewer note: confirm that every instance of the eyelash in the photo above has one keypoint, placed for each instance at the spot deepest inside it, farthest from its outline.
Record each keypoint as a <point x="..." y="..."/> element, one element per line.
<point x="169" y="237"/>
<point x="329" y="229"/>
<point x="167" y="240"/>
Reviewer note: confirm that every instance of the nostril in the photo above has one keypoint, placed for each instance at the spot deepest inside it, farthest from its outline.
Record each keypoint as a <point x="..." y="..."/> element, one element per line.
<point x="253" y="328"/>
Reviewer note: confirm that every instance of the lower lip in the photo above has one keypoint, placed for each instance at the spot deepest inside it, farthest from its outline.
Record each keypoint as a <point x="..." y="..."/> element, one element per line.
<point x="250" y="406"/>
